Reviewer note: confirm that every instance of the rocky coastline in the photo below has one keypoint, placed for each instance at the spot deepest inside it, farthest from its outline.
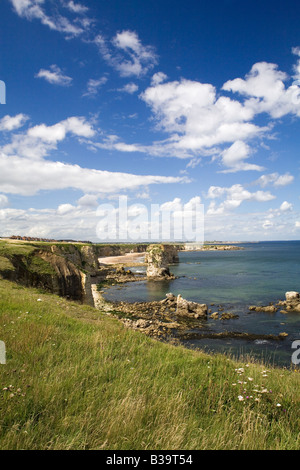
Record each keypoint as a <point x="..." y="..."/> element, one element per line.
<point x="78" y="273"/>
<point x="175" y="319"/>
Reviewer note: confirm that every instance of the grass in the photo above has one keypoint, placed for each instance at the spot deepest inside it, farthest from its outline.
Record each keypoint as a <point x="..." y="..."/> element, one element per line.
<point x="77" y="379"/>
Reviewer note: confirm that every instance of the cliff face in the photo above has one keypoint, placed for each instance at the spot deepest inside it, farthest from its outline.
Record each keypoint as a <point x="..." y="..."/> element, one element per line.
<point x="85" y="257"/>
<point x="72" y="270"/>
<point x="65" y="269"/>
<point x="118" y="250"/>
<point x="47" y="271"/>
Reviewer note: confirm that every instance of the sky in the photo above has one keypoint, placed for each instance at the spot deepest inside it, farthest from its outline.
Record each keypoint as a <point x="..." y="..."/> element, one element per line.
<point x="167" y="104"/>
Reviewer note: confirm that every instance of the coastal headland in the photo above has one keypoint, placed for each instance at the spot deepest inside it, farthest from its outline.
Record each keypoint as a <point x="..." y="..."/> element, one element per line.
<point x="81" y="270"/>
<point x="82" y="378"/>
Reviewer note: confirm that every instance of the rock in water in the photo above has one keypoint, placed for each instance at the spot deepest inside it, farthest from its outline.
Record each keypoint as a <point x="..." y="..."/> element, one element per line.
<point x="158" y="258"/>
<point x="292" y="296"/>
<point x="190" y="309"/>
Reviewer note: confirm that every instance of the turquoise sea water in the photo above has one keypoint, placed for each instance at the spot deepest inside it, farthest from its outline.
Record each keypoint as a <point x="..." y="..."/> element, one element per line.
<point x="257" y="275"/>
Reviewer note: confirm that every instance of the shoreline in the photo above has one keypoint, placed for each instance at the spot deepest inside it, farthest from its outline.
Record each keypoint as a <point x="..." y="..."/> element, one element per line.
<point x="161" y="320"/>
<point x="129" y="258"/>
<point x="122" y="259"/>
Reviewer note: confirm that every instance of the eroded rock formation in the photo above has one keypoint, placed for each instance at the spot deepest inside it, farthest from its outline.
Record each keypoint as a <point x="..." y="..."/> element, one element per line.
<point x="158" y="257"/>
<point x="290" y="304"/>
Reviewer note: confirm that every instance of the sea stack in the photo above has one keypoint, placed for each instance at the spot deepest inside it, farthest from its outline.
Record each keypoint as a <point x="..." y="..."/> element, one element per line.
<point x="158" y="257"/>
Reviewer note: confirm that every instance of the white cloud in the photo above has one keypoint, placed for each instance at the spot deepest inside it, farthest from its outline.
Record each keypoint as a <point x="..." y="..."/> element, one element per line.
<point x="234" y="196"/>
<point x="24" y="171"/>
<point x="265" y="87"/>
<point x="174" y="205"/>
<point x="88" y="200"/>
<point x="41" y="139"/>
<point x="54" y="76"/>
<point x="75" y="7"/>
<point x="10" y="123"/>
<point x="267" y="224"/>
<point x="94" y="85"/>
<point x="64" y="209"/>
<point x="26" y="177"/>
<point x="129" y="88"/>
<point x="275" y="179"/>
<point x="296" y="51"/>
<point x="199" y="121"/>
<point x="112" y="142"/>
<point x="77" y="223"/>
<point x="35" y="10"/>
<point x="284" y="180"/>
<point x="192" y="203"/>
<point x="286" y="206"/>
<point x="158" y="78"/>
<point x="126" y="54"/>
<point x="234" y="156"/>
<point x="81" y="221"/>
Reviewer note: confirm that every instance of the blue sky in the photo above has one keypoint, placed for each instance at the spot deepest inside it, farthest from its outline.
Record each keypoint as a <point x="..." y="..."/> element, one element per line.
<point x="159" y="101"/>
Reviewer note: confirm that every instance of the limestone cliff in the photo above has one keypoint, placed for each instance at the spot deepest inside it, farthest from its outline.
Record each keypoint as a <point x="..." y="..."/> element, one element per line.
<point x="66" y="269"/>
<point x="158" y="257"/>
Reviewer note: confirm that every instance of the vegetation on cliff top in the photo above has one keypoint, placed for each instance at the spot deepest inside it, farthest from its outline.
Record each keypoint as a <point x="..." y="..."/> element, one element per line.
<point x="77" y="379"/>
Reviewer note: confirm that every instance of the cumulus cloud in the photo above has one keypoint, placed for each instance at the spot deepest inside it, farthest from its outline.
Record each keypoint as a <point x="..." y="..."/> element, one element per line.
<point x="266" y="92"/>
<point x="234" y="156"/>
<point x="54" y="76"/>
<point x="41" y="139"/>
<point x="24" y="171"/>
<point x="11" y="123"/>
<point x="286" y="206"/>
<point x="85" y="221"/>
<point x="199" y="121"/>
<point x="64" y="209"/>
<point x="75" y="223"/>
<point x="234" y="196"/>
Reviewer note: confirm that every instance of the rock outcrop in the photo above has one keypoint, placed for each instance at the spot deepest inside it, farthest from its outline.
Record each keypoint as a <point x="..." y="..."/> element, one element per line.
<point x="185" y="308"/>
<point x="290" y="304"/>
<point x="265" y="309"/>
<point x="190" y="309"/>
<point x="292" y="297"/>
<point x="158" y="257"/>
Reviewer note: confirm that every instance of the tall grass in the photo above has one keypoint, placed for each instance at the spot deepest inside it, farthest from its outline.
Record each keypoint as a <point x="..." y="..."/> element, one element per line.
<point x="77" y="379"/>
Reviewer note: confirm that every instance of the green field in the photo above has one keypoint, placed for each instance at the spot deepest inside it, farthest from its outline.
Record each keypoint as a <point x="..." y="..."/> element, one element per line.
<point x="77" y="379"/>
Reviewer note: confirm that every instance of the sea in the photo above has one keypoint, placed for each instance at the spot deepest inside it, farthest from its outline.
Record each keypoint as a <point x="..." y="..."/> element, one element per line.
<point x="258" y="274"/>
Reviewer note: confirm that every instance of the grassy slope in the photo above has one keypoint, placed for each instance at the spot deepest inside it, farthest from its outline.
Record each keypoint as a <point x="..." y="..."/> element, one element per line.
<point x="77" y="379"/>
